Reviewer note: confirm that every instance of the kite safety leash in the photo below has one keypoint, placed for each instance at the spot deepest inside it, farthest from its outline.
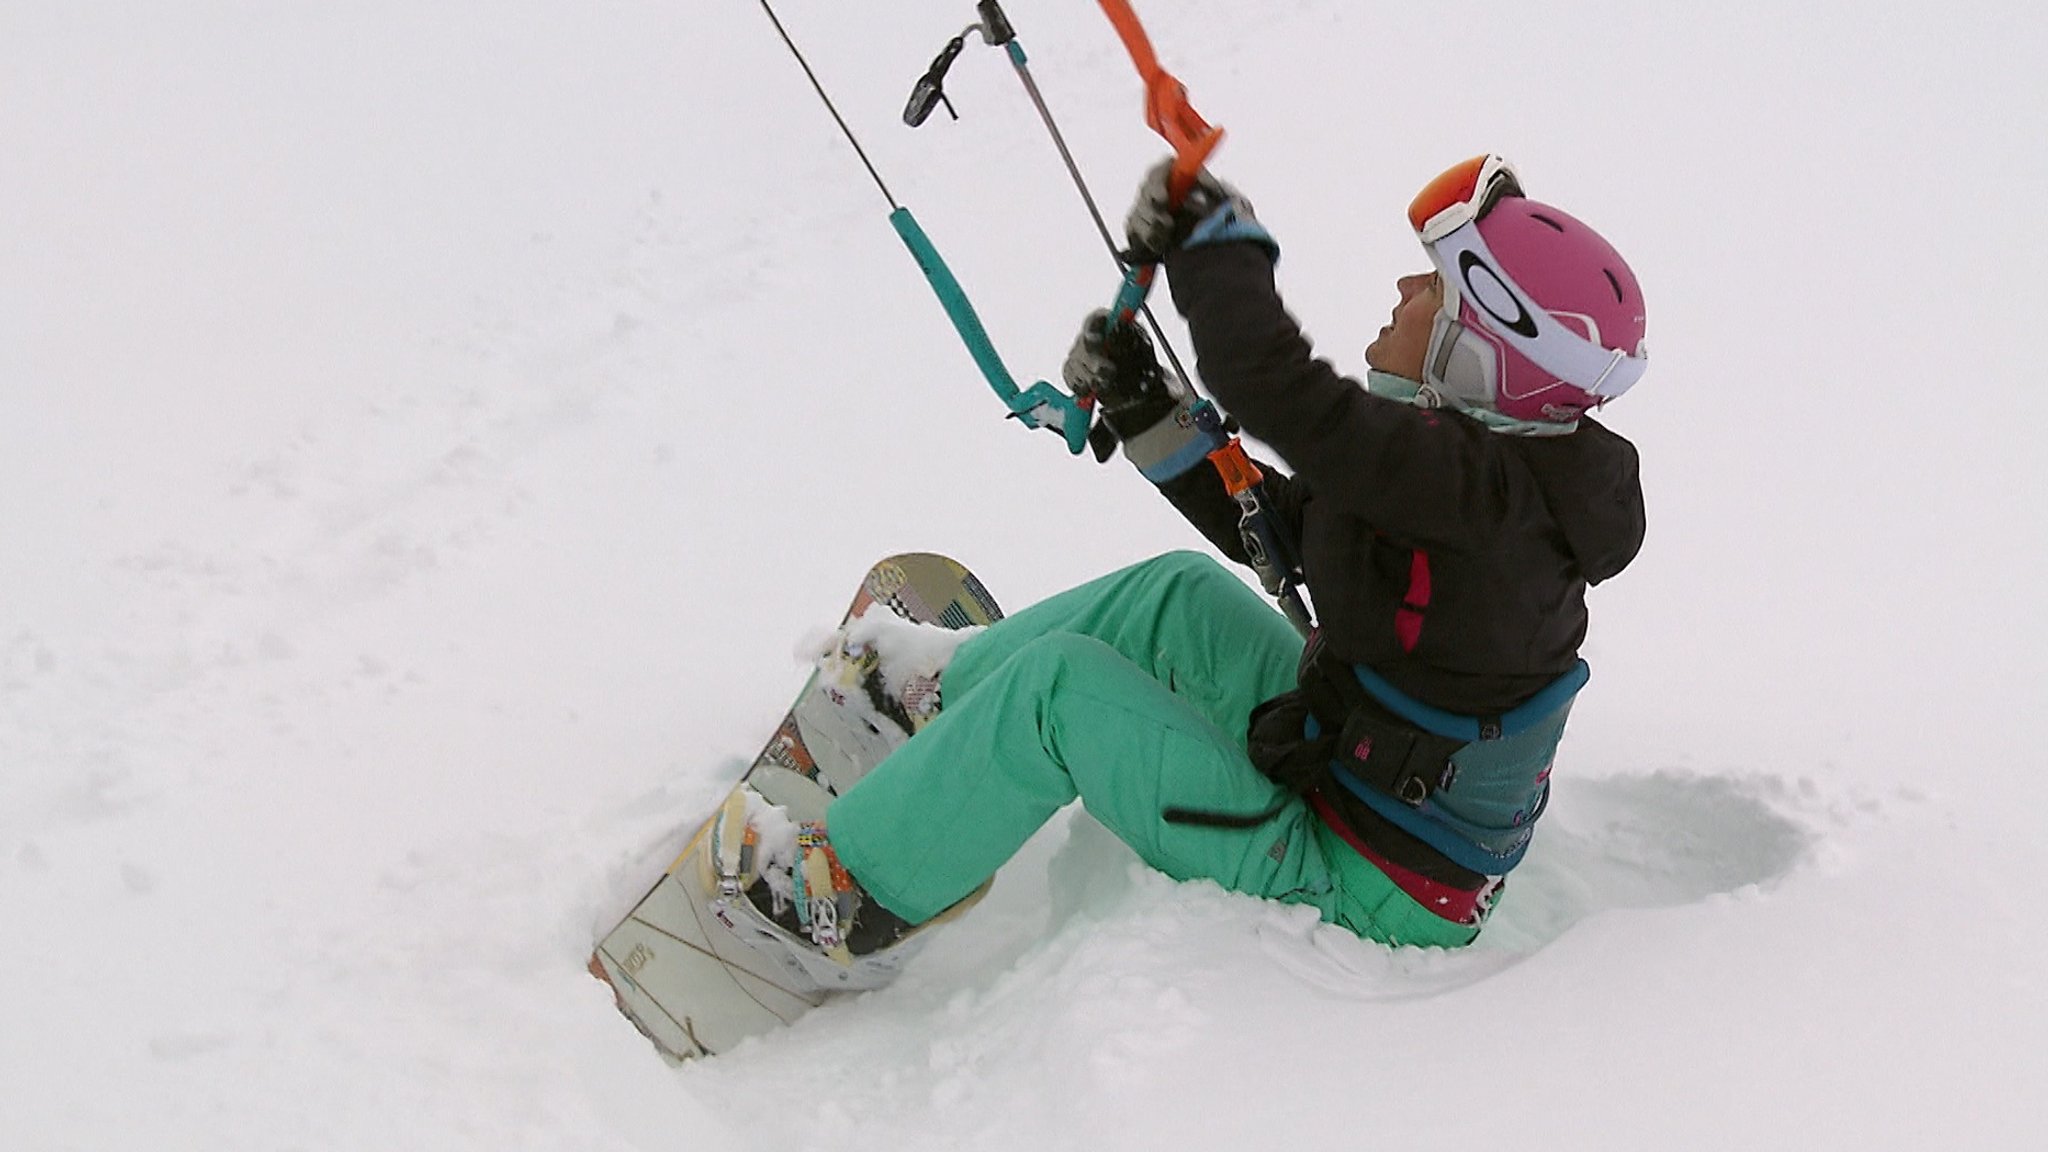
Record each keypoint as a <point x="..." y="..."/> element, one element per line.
<point x="1041" y="405"/>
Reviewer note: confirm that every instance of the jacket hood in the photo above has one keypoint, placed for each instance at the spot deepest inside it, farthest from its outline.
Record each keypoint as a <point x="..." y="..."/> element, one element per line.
<point x="1591" y="484"/>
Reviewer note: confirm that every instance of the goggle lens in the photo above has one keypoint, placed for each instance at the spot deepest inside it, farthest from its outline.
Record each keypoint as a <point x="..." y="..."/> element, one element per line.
<point x="1462" y="193"/>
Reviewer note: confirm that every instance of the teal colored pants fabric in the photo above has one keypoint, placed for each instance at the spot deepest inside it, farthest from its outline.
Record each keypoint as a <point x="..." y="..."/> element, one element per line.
<point x="1131" y="694"/>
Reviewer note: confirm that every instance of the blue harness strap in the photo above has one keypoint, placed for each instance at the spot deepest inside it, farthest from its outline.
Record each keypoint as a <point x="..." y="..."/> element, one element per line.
<point x="1557" y="694"/>
<point x="1482" y="812"/>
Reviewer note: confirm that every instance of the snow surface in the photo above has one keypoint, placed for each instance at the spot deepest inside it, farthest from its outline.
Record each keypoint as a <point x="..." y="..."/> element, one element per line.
<point x="427" y="428"/>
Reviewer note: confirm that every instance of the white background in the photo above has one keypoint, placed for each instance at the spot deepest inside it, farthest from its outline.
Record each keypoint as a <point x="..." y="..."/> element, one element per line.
<point x="427" y="430"/>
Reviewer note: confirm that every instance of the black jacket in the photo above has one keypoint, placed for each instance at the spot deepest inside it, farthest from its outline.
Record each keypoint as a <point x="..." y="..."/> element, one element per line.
<point x="1512" y="529"/>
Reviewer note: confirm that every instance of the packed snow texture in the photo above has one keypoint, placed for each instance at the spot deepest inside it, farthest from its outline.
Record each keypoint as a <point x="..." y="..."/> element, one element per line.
<point x="774" y="854"/>
<point x="908" y="654"/>
<point x="427" y="428"/>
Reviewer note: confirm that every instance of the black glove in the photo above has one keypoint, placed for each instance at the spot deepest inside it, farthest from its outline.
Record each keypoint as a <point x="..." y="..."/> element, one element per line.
<point x="1144" y="405"/>
<point x="1211" y="213"/>
<point x="1116" y="365"/>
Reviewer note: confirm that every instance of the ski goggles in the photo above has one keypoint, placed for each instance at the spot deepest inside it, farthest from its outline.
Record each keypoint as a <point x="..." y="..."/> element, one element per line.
<point x="1446" y="216"/>
<point x="1462" y="195"/>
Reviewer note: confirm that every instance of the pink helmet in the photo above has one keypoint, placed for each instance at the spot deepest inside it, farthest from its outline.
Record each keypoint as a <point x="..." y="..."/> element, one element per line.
<point x="1542" y="319"/>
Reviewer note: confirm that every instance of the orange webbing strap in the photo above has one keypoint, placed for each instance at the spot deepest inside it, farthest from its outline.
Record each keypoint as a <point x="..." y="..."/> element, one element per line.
<point x="1193" y="139"/>
<point x="1168" y="112"/>
<point x="1236" y="468"/>
<point x="1166" y="103"/>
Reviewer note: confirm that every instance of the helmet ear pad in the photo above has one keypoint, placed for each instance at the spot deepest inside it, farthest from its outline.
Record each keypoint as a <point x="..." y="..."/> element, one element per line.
<point x="1463" y="363"/>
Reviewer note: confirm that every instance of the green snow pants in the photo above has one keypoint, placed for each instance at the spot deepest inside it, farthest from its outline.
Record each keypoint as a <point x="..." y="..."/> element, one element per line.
<point x="1131" y="693"/>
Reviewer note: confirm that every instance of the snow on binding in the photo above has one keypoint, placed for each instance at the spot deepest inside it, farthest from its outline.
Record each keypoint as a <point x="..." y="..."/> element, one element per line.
<point x="696" y="965"/>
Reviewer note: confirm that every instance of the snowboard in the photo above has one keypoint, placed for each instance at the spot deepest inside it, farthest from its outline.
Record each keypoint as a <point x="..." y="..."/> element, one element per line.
<point x="678" y="967"/>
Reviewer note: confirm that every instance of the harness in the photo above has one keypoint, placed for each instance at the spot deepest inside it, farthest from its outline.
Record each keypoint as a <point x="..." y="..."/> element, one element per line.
<point x="1471" y="788"/>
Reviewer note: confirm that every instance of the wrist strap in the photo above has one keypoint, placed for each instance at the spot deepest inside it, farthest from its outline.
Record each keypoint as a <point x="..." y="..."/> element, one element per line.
<point x="1226" y="224"/>
<point x="1171" y="446"/>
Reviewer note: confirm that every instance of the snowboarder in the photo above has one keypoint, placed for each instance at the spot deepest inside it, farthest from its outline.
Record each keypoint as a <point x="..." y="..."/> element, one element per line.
<point x="1450" y="513"/>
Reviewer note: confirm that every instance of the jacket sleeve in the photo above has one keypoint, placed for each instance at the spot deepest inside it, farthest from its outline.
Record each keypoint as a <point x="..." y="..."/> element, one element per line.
<point x="1408" y="471"/>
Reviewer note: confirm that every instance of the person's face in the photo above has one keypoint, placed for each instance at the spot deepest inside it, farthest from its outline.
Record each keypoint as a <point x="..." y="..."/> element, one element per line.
<point x="1403" y="344"/>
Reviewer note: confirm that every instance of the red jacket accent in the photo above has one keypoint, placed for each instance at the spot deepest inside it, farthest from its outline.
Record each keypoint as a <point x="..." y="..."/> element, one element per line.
<point x="1408" y="617"/>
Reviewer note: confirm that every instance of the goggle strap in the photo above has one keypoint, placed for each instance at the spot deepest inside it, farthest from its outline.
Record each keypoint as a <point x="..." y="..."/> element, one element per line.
<point x="1612" y="364"/>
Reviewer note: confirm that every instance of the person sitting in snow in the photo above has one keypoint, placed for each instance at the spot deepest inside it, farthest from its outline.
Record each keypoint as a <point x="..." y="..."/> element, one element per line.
<point x="1449" y="515"/>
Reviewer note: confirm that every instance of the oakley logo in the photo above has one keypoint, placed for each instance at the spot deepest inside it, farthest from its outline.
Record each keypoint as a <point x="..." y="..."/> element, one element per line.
<point x="1521" y="323"/>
